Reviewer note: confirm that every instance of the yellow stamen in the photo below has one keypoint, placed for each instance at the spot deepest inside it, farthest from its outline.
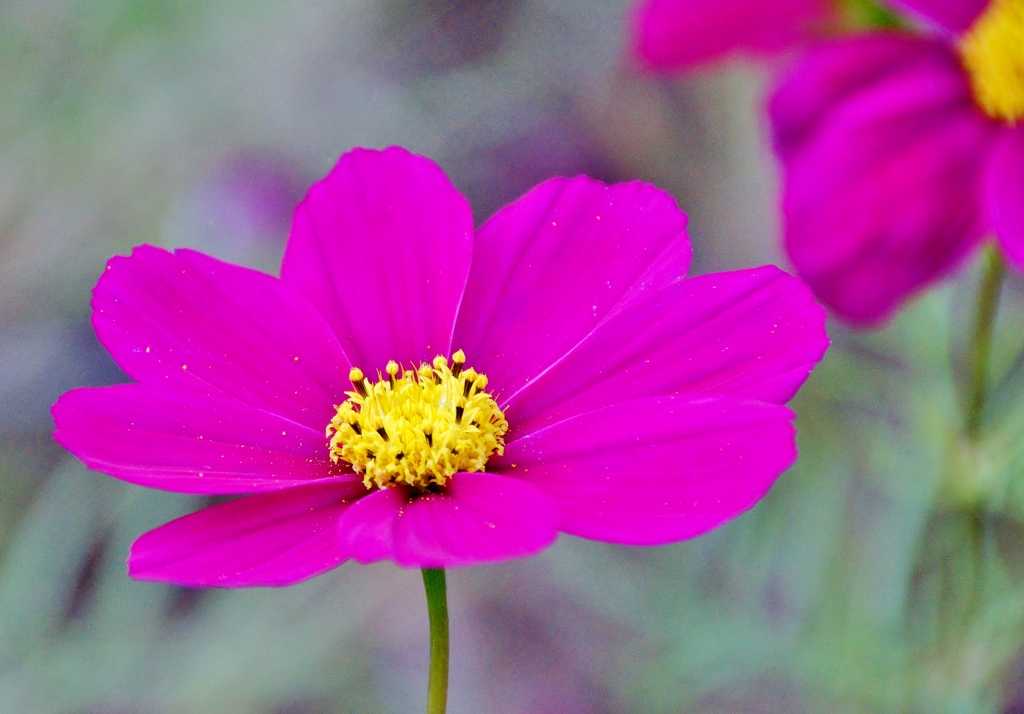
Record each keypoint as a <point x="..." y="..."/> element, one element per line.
<point x="418" y="426"/>
<point x="993" y="53"/>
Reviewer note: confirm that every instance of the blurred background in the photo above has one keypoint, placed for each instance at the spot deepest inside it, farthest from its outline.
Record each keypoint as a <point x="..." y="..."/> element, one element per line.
<point x="863" y="582"/>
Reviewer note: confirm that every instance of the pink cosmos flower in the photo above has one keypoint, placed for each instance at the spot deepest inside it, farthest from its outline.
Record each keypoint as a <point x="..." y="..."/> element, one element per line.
<point x="670" y="35"/>
<point x="902" y="151"/>
<point x="621" y="401"/>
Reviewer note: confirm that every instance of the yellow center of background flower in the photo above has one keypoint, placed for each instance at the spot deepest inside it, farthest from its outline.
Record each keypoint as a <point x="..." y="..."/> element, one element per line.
<point x="993" y="52"/>
<point x="417" y="427"/>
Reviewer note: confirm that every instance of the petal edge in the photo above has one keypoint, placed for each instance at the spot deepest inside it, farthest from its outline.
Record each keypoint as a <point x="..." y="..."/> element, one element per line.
<point x="267" y="540"/>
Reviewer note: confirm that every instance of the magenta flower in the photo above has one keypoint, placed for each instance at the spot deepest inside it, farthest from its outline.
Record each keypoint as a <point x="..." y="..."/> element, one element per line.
<point x="902" y="152"/>
<point x="583" y="385"/>
<point x="670" y="35"/>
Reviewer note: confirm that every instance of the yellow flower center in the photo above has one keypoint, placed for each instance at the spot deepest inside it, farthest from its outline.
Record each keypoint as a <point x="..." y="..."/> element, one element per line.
<point x="993" y="52"/>
<point x="417" y="427"/>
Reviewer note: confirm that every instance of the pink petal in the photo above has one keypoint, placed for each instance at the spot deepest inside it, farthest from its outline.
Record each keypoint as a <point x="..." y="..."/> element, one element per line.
<point x="1005" y="191"/>
<point x="550" y="267"/>
<point x="185" y="321"/>
<point x="883" y="196"/>
<point x="382" y="246"/>
<point x="271" y="540"/>
<point x="659" y="470"/>
<point x="672" y="34"/>
<point x="953" y="15"/>
<point x="753" y="334"/>
<point x="480" y="518"/>
<point x="187" y="441"/>
<point x="369" y="531"/>
<point x="833" y="72"/>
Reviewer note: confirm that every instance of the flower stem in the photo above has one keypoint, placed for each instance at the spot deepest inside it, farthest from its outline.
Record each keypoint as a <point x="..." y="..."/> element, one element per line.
<point x="437" y="610"/>
<point x="981" y="349"/>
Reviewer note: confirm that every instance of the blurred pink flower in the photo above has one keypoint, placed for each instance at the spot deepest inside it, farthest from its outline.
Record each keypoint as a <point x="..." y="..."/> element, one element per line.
<point x="670" y="35"/>
<point x="643" y="408"/>
<point x="902" y="150"/>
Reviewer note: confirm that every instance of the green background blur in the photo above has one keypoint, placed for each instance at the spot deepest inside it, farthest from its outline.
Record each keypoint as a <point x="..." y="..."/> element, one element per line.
<point x="882" y="574"/>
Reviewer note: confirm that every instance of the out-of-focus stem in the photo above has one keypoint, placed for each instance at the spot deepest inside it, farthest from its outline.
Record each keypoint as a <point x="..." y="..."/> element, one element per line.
<point x="994" y="270"/>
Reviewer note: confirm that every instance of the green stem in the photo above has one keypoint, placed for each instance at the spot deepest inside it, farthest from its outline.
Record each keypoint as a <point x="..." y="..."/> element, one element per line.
<point x="981" y="349"/>
<point x="437" y="610"/>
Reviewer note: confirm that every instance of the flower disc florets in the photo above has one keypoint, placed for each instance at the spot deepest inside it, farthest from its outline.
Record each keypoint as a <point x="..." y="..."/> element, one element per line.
<point x="417" y="427"/>
<point x="993" y="52"/>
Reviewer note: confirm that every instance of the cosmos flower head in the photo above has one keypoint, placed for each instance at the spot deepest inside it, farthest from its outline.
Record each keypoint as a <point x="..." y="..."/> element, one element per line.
<point x="414" y="390"/>
<point x="902" y="151"/>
